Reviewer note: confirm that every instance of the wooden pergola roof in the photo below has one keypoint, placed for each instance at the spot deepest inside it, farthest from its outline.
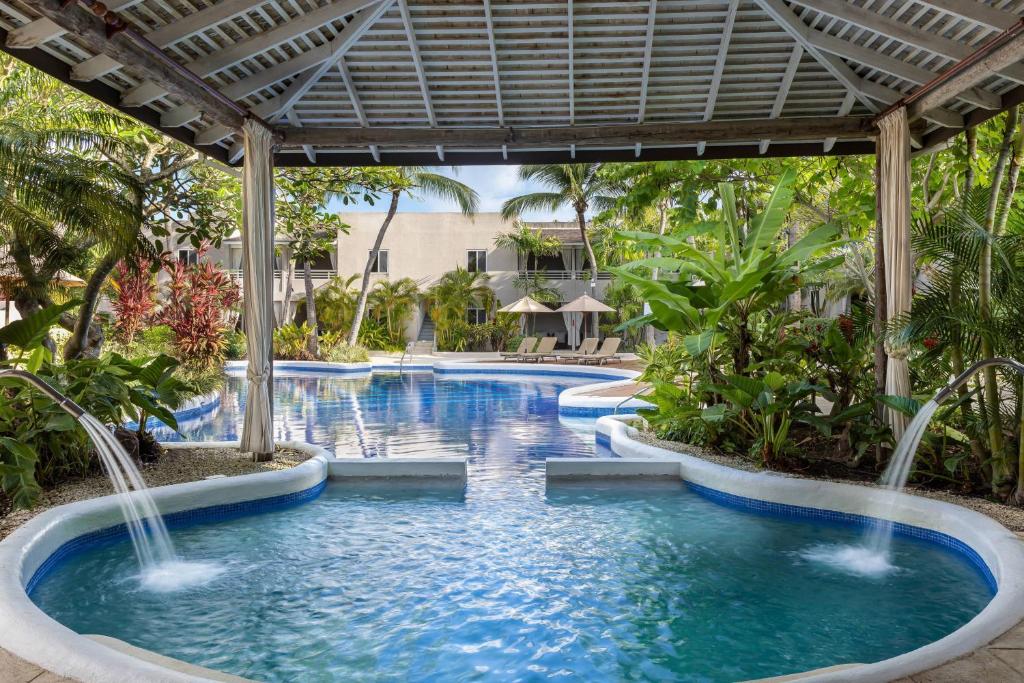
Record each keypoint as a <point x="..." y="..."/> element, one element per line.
<point x="511" y="81"/>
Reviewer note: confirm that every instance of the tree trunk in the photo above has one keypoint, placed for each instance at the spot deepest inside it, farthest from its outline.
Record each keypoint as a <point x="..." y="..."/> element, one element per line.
<point x="995" y="423"/>
<point x="357" y="317"/>
<point x="595" y="318"/>
<point x="289" y="315"/>
<point x="86" y="339"/>
<point x="314" y="337"/>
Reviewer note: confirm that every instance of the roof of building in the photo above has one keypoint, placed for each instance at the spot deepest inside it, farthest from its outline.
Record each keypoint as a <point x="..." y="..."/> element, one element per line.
<point x="429" y="81"/>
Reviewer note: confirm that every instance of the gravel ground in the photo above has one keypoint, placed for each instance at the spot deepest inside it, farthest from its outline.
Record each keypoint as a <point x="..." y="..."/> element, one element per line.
<point x="174" y="467"/>
<point x="1009" y="516"/>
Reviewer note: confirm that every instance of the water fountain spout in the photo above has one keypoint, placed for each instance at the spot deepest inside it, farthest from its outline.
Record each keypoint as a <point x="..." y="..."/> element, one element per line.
<point x="966" y="375"/>
<point x="161" y="568"/>
<point x="63" y="402"/>
<point x="874" y="555"/>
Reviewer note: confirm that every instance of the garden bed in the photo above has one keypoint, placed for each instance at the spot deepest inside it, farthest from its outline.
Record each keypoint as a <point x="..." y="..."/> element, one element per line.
<point x="1009" y="516"/>
<point x="175" y="466"/>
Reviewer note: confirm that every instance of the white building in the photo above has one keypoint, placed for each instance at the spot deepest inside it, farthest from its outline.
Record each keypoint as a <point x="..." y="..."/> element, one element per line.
<point x="424" y="246"/>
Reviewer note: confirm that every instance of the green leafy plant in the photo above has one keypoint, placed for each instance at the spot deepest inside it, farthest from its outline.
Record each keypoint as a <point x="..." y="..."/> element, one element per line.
<point x="41" y="444"/>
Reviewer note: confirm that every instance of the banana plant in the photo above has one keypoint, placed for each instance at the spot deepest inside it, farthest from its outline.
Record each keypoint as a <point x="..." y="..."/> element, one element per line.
<point x="746" y="271"/>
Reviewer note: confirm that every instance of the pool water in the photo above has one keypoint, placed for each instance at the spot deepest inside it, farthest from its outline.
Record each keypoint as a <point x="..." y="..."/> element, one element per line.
<point x="507" y="579"/>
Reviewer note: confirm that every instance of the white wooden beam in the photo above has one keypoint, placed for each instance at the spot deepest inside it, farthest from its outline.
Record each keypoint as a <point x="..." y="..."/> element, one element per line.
<point x="787" y="82"/>
<point x="142" y="94"/>
<point x="645" y="76"/>
<point x="809" y="128"/>
<point x="1010" y="52"/>
<point x="901" y="31"/>
<point x="39" y="31"/>
<point x="795" y="27"/>
<point x="489" y="19"/>
<point x="844" y="109"/>
<point x="94" y="67"/>
<point x="571" y="54"/>
<point x="294" y="120"/>
<point x="716" y="77"/>
<point x="866" y="91"/>
<point x="273" y="108"/>
<point x="421" y="74"/>
<point x="978" y="12"/>
<point x="180" y="116"/>
<point x="282" y="33"/>
<point x="357" y="104"/>
<point x="891" y="65"/>
<point x="101" y="65"/>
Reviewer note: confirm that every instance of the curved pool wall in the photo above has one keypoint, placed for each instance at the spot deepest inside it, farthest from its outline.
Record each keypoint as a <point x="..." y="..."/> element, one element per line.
<point x="29" y="633"/>
<point x="53" y="535"/>
<point x="998" y="552"/>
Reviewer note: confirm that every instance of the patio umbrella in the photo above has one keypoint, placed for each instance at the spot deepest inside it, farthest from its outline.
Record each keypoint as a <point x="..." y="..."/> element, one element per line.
<point x="8" y="280"/>
<point x="584" y="304"/>
<point x="524" y="306"/>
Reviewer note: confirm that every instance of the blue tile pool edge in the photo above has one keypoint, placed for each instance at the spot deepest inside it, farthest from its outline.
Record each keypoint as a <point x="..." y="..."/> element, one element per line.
<point x="790" y="511"/>
<point x="174" y="520"/>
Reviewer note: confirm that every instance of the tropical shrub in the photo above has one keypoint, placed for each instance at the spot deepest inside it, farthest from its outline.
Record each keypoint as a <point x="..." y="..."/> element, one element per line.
<point x="199" y="299"/>
<point x="134" y="298"/>
<point x="291" y="342"/>
<point x="449" y="298"/>
<point x="41" y="444"/>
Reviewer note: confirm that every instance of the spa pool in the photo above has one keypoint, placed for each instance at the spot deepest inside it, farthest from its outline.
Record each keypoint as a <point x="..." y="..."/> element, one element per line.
<point x="508" y="579"/>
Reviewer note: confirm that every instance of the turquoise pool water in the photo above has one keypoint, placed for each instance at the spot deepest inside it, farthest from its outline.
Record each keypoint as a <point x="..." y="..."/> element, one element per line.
<point x="508" y="579"/>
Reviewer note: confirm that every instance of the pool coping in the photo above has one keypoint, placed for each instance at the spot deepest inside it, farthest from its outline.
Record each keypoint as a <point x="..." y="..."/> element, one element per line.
<point x="999" y="549"/>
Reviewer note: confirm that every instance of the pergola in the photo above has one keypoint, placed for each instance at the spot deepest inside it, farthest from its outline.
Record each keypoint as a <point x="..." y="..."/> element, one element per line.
<point x="360" y="82"/>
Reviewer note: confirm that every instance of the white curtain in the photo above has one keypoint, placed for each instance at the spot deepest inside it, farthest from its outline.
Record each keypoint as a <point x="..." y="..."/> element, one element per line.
<point x="569" y="258"/>
<point x="894" y="186"/>
<point x="257" y="278"/>
<point x="572" y="320"/>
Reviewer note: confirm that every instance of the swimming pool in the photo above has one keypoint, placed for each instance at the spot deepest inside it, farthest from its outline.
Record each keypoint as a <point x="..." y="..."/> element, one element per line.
<point x="508" y="579"/>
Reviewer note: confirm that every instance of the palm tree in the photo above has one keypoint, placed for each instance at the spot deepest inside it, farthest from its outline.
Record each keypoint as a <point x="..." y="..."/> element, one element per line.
<point x="453" y="294"/>
<point x="411" y="179"/>
<point x="61" y="203"/>
<point x="394" y="302"/>
<point x="336" y="303"/>
<point x="528" y="243"/>
<point x="581" y="187"/>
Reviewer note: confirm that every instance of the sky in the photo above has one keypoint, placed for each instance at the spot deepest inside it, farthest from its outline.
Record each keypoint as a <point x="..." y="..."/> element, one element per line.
<point x="494" y="184"/>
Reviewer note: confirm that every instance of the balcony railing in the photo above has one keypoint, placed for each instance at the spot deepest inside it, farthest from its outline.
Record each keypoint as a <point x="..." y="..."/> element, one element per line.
<point x="564" y="274"/>
<point x="318" y="274"/>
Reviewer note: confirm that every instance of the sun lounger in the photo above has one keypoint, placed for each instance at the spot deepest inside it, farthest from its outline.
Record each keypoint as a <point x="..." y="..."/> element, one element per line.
<point x="545" y="349"/>
<point x="586" y="348"/>
<point x="525" y="346"/>
<point x="606" y="354"/>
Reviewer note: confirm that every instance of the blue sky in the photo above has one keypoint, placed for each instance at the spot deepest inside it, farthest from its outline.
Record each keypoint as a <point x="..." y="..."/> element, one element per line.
<point x="494" y="184"/>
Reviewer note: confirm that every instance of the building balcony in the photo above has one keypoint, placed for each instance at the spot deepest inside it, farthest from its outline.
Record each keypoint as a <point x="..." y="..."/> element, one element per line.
<point x="318" y="274"/>
<point x="564" y="274"/>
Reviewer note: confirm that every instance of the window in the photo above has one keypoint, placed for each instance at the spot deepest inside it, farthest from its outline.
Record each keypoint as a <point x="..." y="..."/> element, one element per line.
<point x="380" y="264"/>
<point x="476" y="316"/>
<point x="477" y="262"/>
<point x="189" y="257"/>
